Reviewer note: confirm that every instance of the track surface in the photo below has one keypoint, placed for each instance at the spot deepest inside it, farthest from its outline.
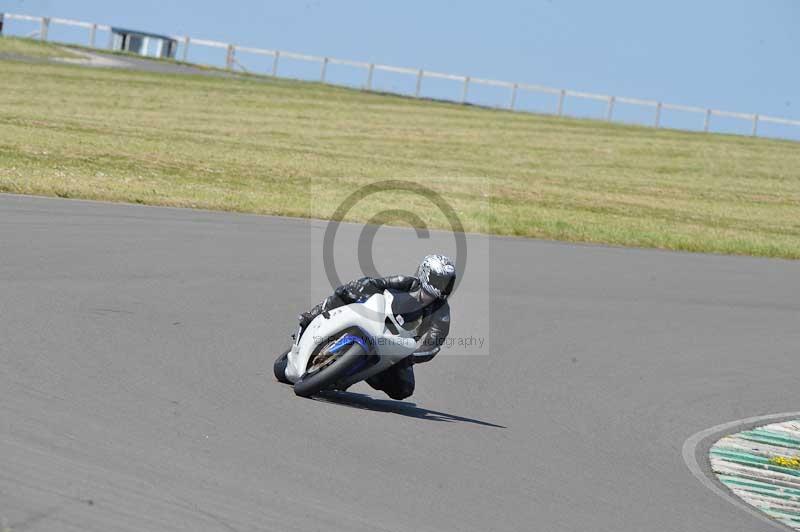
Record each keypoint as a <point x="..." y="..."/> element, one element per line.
<point x="136" y="392"/>
<point x="106" y="60"/>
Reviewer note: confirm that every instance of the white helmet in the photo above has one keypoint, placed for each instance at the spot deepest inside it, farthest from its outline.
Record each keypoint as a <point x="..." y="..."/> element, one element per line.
<point x="437" y="275"/>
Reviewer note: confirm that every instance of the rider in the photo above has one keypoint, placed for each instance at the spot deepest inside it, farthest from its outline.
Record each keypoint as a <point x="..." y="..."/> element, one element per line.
<point x="429" y="289"/>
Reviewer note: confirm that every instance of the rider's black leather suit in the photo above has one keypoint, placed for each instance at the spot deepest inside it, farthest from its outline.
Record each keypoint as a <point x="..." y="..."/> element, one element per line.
<point x="398" y="380"/>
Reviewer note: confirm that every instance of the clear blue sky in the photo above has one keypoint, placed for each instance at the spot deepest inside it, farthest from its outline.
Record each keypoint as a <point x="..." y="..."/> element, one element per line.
<point x="732" y="55"/>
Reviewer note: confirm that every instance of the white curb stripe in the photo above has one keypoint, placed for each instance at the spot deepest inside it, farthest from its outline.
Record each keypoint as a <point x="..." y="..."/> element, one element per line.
<point x="692" y="446"/>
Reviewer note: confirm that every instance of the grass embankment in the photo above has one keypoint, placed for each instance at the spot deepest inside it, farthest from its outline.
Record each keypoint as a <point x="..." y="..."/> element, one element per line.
<point x="282" y="147"/>
<point x="28" y="48"/>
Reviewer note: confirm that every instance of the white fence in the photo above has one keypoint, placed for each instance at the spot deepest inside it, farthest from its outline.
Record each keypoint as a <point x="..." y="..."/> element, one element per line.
<point x="514" y="89"/>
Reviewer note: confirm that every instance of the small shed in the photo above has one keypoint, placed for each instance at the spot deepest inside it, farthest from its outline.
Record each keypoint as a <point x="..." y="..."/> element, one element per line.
<point x="141" y="42"/>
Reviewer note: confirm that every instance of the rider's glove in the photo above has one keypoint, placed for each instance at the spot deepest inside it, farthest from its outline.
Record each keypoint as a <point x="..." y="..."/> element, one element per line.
<point x="356" y="290"/>
<point x="344" y="294"/>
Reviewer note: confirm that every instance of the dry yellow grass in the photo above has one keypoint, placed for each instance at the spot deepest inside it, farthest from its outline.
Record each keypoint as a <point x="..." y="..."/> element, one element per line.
<point x="278" y="147"/>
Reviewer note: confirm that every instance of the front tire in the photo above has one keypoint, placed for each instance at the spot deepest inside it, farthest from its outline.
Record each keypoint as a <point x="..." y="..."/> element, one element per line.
<point x="329" y="376"/>
<point x="279" y="368"/>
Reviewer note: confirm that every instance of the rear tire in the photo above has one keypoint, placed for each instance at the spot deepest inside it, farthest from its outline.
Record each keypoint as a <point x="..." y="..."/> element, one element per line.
<point x="329" y="376"/>
<point x="279" y="368"/>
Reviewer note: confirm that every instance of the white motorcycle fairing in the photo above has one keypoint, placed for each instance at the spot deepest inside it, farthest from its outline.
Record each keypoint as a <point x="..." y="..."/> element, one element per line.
<point x="370" y="317"/>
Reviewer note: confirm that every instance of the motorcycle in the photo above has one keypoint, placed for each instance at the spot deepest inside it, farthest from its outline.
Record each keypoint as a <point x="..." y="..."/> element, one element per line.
<point x="350" y="344"/>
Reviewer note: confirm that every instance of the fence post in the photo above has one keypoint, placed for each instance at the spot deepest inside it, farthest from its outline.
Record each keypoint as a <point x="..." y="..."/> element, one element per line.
<point x="323" y="70"/>
<point x="419" y="83"/>
<point x="610" y="110"/>
<point x="92" y="35"/>
<point x="658" y="115"/>
<point x="369" y="76"/>
<point x="561" y="96"/>
<point x="707" y="123"/>
<point x="2" y="16"/>
<point x="755" y="125"/>
<point x="275" y="63"/>
<point x="45" y="28"/>
<point x="229" y="57"/>
<point x="186" y="40"/>
<point x="465" y="92"/>
<point x="513" y="102"/>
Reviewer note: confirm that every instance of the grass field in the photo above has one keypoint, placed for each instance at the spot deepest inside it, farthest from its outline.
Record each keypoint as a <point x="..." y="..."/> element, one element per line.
<point x="14" y="46"/>
<point x="294" y="148"/>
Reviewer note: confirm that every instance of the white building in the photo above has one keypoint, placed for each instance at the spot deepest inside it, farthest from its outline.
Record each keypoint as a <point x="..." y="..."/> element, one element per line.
<point x="143" y="43"/>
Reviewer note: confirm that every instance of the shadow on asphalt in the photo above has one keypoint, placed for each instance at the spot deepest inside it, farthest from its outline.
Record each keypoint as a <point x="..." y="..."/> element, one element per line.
<point x="403" y="408"/>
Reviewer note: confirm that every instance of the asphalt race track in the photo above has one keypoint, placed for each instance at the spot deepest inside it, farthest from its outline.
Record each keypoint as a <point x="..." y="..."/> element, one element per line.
<point x="97" y="58"/>
<point x="136" y="391"/>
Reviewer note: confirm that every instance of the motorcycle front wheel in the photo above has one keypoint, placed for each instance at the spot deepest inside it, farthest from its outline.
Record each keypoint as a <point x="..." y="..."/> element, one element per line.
<point x="328" y="376"/>
<point x="279" y="368"/>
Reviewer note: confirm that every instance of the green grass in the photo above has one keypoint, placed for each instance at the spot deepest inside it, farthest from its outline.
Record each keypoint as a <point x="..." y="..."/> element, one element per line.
<point x="15" y="46"/>
<point x="294" y="148"/>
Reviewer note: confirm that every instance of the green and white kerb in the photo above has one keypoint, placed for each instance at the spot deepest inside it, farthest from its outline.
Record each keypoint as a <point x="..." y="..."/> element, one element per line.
<point x="762" y="467"/>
